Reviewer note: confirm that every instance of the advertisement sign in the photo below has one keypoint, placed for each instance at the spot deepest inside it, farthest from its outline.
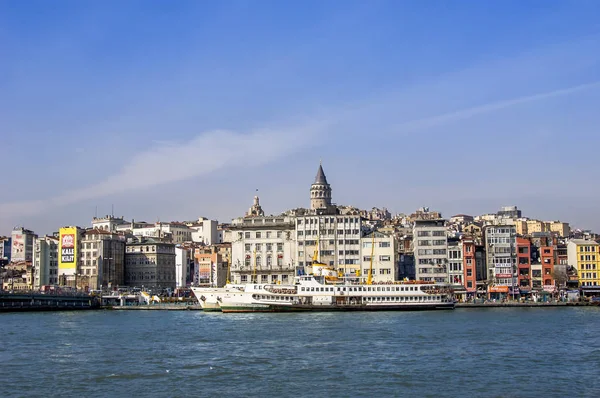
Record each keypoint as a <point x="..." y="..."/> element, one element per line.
<point x="503" y="275"/>
<point x="67" y="262"/>
<point x="498" y="289"/>
<point x="17" y="251"/>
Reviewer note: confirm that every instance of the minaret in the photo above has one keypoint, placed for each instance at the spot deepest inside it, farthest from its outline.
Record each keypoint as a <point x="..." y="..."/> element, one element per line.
<point x="320" y="191"/>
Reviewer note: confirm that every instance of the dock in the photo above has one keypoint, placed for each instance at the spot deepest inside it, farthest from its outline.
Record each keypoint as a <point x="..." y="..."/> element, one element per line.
<point x="25" y="302"/>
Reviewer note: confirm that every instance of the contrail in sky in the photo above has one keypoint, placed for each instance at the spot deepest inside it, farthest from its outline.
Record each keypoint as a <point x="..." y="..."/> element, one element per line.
<point x="469" y="112"/>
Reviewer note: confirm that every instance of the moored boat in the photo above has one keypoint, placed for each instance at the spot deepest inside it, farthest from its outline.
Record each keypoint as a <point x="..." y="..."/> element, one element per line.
<point x="317" y="293"/>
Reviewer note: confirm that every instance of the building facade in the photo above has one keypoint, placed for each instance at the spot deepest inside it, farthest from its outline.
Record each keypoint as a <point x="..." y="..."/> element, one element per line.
<point x="500" y="241"/>
<point x="101" y="260"/>
<point x="585" y="257"/>
<point x="524" y="266"/>
<point x="431" y="250"/>
<point x="263" y="249"/>
<point x="378" y="257"/>
<point x="22" y="245"/>
<point x="45" y="261"/>
<point x="469" y="265"/>
<point x="214" y="265"/>
<point x="150" y="263"/>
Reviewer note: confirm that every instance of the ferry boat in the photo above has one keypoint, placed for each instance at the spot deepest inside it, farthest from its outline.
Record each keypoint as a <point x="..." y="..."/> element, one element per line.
<point x="316" y="293"/>
<point x="325" y="290"/>
<point x="208" y="297"/>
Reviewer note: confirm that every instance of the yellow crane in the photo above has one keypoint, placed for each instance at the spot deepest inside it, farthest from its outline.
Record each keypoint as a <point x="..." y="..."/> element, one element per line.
<point x="254" y="272"/>
<point x="228" y="268"/>
<point x="370" y="277"/>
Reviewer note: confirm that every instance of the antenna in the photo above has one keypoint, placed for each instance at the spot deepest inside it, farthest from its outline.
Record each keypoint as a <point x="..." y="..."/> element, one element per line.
<point x="112" y="210"/>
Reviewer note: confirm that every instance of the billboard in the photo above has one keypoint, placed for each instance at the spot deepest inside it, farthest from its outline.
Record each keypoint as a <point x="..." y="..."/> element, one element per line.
<point x="18" y="247"/>
<point x="67" y="261"/>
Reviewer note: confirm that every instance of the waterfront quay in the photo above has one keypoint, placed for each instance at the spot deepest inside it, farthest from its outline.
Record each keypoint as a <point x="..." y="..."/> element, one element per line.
<point x="21" y="302"/>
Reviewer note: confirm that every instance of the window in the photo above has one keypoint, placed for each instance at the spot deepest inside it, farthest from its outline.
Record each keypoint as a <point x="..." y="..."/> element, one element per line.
<point x="269" y="247"/>
<point x="469" y="272"/>
<point x="247" y="235"/>
<point x="384" y="258"/>
<point x="384" y="244"/>
<point x="269" y="261"/>
<point x="279" y="234"/>
<point x="268" y="234"/>
<point x="280" y="247"/>
<point x="247" y="247"/>
<point x="258" y="247"/>
<point x="258" y="235"/>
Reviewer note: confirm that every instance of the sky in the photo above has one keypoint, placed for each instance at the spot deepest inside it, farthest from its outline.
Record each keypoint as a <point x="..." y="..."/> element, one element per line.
<point x="170" y="111"/>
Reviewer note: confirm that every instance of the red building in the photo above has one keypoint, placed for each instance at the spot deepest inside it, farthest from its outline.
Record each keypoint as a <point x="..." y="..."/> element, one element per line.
<point x="469" y="263"/>
<point x="548" y="259"/>
<point x="524" y="265"/>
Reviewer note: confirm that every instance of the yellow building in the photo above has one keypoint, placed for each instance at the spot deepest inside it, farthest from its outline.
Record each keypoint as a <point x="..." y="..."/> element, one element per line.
<point x="584" y="255"/>
<point x="537" y="226"/>
<point x="561" y="228"/>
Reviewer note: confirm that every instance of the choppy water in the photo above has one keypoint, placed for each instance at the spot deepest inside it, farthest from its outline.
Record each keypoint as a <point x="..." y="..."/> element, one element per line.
<point x="522" y="352"/>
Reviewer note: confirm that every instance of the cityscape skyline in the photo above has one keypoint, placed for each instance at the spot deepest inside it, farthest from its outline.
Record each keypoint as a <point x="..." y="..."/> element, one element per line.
<point x="460" y="107"/>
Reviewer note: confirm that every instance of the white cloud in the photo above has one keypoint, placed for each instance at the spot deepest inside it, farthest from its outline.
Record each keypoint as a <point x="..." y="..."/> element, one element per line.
<point x="206" y="153"/>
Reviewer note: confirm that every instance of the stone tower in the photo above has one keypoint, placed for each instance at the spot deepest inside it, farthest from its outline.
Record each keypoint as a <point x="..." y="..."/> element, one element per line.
<point x="320" y="191"/>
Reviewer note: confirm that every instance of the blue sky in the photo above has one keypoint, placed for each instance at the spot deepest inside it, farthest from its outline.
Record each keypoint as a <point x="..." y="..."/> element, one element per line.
<point x="174" y="110"/>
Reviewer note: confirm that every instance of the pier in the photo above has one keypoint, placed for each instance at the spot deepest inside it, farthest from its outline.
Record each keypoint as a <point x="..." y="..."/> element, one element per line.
<point x="21" y="302"/>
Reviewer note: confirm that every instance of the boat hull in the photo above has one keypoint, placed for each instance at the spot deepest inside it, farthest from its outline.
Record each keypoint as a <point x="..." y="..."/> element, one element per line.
<point x="228" y="308"/>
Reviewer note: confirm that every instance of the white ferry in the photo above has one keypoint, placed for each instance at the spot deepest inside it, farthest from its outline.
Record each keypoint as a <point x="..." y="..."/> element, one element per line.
<point x="317" y="293"/>
<point x="208" y="297"/>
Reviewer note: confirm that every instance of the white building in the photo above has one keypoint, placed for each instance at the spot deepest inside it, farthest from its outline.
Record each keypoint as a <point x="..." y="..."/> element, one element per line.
<point x="383" y="249"/>
<point x="108" y="223"/>
<point x="204" y="231"/>
<point x="22" y="245"/>
<point x="431" y="250"/>
<point x="182" y="265"/>
<point x="263" y="249"/>
<point x="175" y="232"/>
<point x="500" y="242"/>
<point x="455" y="263"/>
<point x="45" y="261"/>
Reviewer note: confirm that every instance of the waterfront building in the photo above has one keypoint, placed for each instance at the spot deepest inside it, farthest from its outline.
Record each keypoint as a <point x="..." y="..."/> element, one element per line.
<point x="184" y="264"/>
<point x="69" y="259"/>
<point x="214" y="265"/>
<point x="524" y="266"/>
<point x="150" y="263"/>
<point x="548" y="261"/>
<point x="22" y="244"/>
<point x="430" y="250"/>
<point x="456" y="270"/>
<point x="469" y="265"/>
<point x="584" y="255"/>
<point x="101" y="260"/>
<point x="21" y="276"/>
<point x="500" y="241"/>
<point x="383" y="260"/>
<point x="45" y="261"/>
<point x="263" y="247"/>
